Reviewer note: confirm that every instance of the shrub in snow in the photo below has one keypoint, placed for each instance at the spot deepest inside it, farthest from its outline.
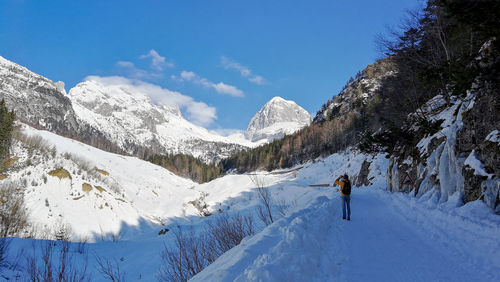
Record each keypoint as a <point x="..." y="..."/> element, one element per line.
<point x="13" y="216"/>
<point x="54" y="262"/>
<point x="62" y="231"/>
<point x="110" y="270"/>
<point x="264" y="210"/>
<point x="195" y="251"/>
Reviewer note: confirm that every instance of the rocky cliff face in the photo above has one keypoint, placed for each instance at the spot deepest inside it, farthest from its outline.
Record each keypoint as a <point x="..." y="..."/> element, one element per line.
<point x="277" y="118"/>
<point x="37" y="100"/>
<point x="358" y="93"/>
<point x="463" y="156"/>
<point x="479" y="137"/>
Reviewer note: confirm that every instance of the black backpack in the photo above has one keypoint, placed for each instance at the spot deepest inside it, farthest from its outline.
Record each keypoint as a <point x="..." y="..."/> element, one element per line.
<point x="346" y="190"/>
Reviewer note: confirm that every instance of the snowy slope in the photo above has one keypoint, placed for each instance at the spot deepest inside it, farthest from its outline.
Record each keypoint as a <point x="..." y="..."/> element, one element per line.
<point x="102" y="192"/>
<point x="392" y="237"/>
<point x="277" y="118"/>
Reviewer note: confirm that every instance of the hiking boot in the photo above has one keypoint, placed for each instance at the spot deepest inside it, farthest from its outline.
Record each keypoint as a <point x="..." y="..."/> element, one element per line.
<point x="348" y="218"/>
<point x="343" y="218"/>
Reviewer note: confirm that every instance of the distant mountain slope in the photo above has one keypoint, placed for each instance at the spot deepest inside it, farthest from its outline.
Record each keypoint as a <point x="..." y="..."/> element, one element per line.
<point x="277" y="118"/>
<point x="132" y="120"/>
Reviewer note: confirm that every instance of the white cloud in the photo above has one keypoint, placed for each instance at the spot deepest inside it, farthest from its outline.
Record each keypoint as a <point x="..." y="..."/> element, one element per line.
<point x="157" y="62"/>
<point x="187" y="75"/>
<point x="259" y="80"/>
<point x="200" y="113"/>
<point x="227" y="89"/>
<point x="244" y="71"/>
<point x="125" y="64"/>
<point x="197" y="112"/>
<point x="135" y="72"/>
<point x="220" y="87"/>
<point x="228" y="64"/>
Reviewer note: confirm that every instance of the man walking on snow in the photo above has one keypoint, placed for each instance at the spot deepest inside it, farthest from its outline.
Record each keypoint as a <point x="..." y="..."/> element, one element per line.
<point x="345" y="194"/>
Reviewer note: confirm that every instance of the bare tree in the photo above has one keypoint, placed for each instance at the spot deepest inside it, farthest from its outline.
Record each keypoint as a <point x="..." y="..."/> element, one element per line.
<point x="183" y="261"/>
<point x="195" y="251"/>
<point x="110" y="269"/>
<point x="226" y="231"/>
<point x="265" y="209"/>
<point x="55" y="266"/>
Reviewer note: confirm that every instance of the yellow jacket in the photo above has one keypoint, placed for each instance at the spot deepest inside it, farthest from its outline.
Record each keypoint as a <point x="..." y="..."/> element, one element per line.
<point x="341" y="184"/>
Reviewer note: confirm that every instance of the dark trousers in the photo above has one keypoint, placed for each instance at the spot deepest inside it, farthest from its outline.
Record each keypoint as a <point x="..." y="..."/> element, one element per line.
<point x="346" y="203"/>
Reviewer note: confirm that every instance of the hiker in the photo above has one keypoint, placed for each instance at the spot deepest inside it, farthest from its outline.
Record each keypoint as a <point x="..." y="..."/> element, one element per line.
<point x="345" y="194"/>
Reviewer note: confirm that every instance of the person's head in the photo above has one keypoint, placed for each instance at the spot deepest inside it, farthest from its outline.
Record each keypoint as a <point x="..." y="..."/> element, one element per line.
<point x="346" y="177"/>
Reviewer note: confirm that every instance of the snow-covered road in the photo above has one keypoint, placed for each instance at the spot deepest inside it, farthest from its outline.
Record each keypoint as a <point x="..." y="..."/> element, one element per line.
<point x="380" y="243"/>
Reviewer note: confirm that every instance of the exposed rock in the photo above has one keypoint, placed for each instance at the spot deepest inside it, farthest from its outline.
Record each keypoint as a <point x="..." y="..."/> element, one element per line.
<point x="362" y="178"/>
<point x="36" y="100"/>
<point x="86" y="187"/>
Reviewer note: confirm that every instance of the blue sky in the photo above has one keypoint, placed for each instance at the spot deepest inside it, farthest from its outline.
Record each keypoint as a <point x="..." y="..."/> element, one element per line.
<point x="227" y="58"/>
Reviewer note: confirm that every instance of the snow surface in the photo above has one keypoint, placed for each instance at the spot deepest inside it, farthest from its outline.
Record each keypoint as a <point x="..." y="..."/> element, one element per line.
<point x="385" y="241"/>
<point x="392" y="237"/>
<point x="474" y="162"/>
<point x="494" y="136"/>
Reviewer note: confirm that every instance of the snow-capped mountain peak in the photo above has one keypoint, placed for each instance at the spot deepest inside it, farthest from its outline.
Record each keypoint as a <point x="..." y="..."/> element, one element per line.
<point x="126" y="114"/>
<point x="277" y="118"/>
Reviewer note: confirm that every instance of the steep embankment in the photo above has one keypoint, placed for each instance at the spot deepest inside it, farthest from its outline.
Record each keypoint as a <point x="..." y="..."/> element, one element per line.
<point x="462" y="153"/>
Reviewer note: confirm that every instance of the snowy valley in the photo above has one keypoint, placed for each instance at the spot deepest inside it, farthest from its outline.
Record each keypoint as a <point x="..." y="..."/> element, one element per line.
<point x="128" y="203"/>
<point x="117" y="180"/>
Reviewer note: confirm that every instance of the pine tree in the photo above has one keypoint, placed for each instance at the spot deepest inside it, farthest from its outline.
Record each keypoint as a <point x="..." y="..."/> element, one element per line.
<point x="6" y="126"/>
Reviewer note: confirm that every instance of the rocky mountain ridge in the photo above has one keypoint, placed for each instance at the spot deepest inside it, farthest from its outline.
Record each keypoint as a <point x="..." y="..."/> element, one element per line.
<point x="277" y="118"/>
<point x="121" y="119"/>
<point x="37" y="100"/>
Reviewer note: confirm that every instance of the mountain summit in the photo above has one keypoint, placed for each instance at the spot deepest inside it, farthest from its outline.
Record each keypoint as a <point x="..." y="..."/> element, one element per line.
<point x="277" y="118"/>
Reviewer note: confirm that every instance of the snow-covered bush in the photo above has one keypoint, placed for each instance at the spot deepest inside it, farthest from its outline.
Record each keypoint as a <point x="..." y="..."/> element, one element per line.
<point x="62" y="231"/>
